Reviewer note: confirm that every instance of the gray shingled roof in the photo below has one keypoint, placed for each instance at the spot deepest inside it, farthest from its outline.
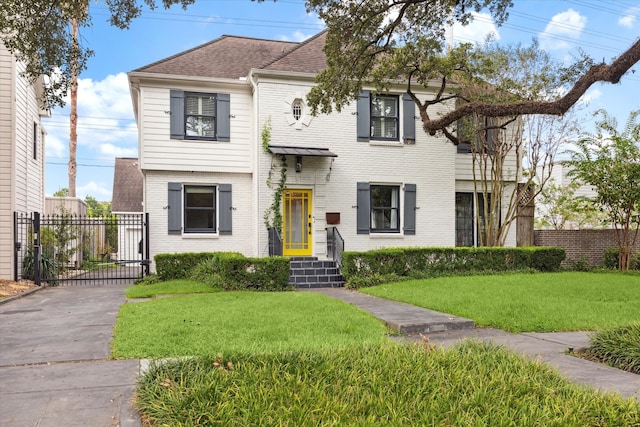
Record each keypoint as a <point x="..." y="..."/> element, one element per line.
<point x="127" y="186"/>
<point x="234" y="56"/>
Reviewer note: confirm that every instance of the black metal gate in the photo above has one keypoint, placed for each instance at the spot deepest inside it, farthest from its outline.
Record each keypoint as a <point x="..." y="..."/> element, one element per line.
<point x="67" y="249"/>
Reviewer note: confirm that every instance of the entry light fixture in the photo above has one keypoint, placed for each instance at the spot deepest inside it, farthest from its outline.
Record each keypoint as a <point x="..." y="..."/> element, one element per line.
<point x="298" y="164"/>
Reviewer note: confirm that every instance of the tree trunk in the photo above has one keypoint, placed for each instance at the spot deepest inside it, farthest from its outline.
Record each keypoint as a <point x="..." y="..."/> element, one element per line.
<point x="73" y="117"/>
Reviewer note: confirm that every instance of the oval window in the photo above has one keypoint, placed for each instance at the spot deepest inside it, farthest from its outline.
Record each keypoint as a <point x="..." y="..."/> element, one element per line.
<point x="296" y="109"/>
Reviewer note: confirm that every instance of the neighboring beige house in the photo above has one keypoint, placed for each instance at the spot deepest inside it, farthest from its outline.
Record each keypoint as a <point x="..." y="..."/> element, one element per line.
<point x="126" y="201"/>
<point x="22" y="140"/>
<point x="370" y="171"/>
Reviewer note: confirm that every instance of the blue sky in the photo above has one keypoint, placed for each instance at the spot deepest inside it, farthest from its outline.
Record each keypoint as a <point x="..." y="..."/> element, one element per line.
<point x="106" y="125"/>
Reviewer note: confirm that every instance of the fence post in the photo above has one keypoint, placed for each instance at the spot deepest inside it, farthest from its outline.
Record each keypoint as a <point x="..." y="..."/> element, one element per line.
<point x="36" y="248"/>
<point x="146" y="244"/>
<point x="16" y="247"/>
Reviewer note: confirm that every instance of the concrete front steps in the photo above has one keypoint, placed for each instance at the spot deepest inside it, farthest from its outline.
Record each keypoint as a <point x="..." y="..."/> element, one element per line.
<point x="309" y="272"/>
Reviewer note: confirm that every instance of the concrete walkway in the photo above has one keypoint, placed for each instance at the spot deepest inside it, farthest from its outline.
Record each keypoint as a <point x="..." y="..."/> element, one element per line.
<point x="446" y="330"/>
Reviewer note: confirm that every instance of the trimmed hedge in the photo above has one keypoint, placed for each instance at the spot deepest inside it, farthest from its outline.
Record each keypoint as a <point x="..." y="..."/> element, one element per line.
<point x="405" y="263"/>
<point x="226" y="270"/>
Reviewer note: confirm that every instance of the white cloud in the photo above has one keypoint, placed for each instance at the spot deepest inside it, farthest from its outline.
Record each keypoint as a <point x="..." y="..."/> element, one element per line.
<point x="106" y="129"/>
<point x="94" y="189"/>
<point x="476" y="32"/>
<point x="563" y="26"/>
<point x="590" y="96"/>
<point x="630" y="18"/>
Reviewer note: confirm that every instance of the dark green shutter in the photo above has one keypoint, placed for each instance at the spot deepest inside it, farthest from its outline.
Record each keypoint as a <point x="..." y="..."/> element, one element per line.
<point x="408" y="119"/>
<point x="176" y="107"/>
<point x="363" y="214"/>
<point x="364" y="116"/>
<point x="223" y="117"/>
<point x="409" y="209"/>
<point x="174" y="208"/>
<point x="226" y="209"/>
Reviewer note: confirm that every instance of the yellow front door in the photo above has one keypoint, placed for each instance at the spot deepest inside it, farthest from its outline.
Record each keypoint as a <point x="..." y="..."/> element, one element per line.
<point x="296" y="223"/>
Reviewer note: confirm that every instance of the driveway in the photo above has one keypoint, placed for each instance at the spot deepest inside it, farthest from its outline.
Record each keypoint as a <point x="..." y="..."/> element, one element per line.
<point x="54" y="360"/>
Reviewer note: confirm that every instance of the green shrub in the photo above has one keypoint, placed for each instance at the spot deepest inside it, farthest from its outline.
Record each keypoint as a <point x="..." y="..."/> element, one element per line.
<point x="610" y="259"/>
<point x="361" y="268"/>
<point x="49" y="268"/>
<point x="226" y="270"/>
<point x="261" y="274"/>
<point x="179" y="266"/>
<point x="618" y="347"/>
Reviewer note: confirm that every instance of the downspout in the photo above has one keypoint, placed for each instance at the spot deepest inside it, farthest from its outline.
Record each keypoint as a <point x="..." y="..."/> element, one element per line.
<point x="255" y="166"/>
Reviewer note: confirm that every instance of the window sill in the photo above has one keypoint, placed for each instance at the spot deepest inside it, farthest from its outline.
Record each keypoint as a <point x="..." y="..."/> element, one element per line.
<point x="200" y="235"/>
<point x="386" y="143"/>
<point x="386" y="235"/>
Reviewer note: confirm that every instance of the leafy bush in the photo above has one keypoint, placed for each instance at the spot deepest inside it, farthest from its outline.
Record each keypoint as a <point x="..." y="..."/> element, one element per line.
<point x="179" y="266"/>
<point x="150" y="279"/>
<point x="610" y="259"/>
<point x="359" y="267"/>
<point x="618" y="347"/>
<point x="226" y="270"/>
<point x="49" y="268"/>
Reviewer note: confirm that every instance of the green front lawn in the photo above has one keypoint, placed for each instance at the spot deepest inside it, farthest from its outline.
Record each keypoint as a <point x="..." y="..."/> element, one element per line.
<point x="171" y="287"/>
<point x="472" y="384"/>
<point x="241" y="322"/>
<point x="545" y="302"/>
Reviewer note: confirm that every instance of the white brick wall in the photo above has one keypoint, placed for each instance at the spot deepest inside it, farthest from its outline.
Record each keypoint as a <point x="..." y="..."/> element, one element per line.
<point x="429" y="164"/>
<point x="155" y="201"/>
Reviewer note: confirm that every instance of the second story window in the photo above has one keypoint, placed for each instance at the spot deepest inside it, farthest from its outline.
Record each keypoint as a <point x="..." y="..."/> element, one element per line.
<point x="200" y="116"/>
<point x="384" y="117"/>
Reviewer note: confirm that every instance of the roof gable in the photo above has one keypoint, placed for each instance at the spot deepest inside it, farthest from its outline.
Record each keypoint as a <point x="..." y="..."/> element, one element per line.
<point x="127" y="186"/>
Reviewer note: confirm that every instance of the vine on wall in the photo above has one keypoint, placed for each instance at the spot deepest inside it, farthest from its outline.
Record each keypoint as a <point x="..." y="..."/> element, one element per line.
<point x="273" y="214"/>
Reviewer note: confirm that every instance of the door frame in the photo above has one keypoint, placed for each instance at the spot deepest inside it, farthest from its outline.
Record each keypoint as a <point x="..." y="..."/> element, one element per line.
<point x="306" y="248"/>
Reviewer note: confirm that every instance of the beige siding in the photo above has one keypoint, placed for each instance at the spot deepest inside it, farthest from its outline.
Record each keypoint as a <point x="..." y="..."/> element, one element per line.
<point x="155" y="201"/>
<point x="428" y="164"/>
<point x="6" y="156"/>
<point x="159" y="152"/>
<point x="21" y="176"/>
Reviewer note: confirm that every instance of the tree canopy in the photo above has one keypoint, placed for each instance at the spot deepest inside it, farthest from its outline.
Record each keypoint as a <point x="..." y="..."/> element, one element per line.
<point x="610" y="162"/>
<point x="379" y="41"/>
<point x="39" y="34"/>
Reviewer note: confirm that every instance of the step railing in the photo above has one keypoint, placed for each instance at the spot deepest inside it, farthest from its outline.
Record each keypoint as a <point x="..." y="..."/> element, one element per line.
<point x="275" y="242"/>
<point x="335" y="245"/>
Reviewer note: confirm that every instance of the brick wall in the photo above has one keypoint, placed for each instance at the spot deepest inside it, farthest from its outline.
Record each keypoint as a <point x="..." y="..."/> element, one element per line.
<point x="587" y="244"/>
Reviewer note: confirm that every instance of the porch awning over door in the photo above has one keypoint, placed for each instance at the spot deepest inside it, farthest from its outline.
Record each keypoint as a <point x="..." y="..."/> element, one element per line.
<point x="301" y="151"/>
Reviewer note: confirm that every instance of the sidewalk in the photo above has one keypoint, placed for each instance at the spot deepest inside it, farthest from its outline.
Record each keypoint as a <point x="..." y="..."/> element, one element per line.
<point x="446" y="330"/>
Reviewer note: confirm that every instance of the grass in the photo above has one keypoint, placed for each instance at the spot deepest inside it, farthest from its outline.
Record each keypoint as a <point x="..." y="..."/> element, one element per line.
<point x="234" y="322"/>
<point x="567" y="301"/>
<point x="169" y="288"/>
<point x="472" y="384"/>
<point x="617" y="347"/>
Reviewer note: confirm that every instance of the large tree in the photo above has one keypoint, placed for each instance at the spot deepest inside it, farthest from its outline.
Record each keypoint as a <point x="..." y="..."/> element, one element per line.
<point x="381" y="41"/>
<point x="39" y="33"/>
<point x="610" y="162"/>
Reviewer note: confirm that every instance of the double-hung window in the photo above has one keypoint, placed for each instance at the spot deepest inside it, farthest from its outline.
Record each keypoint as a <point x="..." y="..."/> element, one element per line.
<point x="385" y="208"/>
<point x="200" y="116"/>
<point x="384" y="117"/>
<point x="199" y="209"/>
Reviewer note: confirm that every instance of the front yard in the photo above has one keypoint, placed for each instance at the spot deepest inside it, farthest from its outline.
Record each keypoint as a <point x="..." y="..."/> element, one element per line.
<point x="298" y="358"/>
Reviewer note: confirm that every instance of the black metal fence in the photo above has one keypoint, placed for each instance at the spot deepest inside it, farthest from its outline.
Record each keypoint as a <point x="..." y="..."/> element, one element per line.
<point x="69" y="249"/>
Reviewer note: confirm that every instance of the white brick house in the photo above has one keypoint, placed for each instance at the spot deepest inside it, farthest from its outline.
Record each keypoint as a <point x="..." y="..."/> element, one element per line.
<point x="369" y="170"/>
<point x="22" y="140"/>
